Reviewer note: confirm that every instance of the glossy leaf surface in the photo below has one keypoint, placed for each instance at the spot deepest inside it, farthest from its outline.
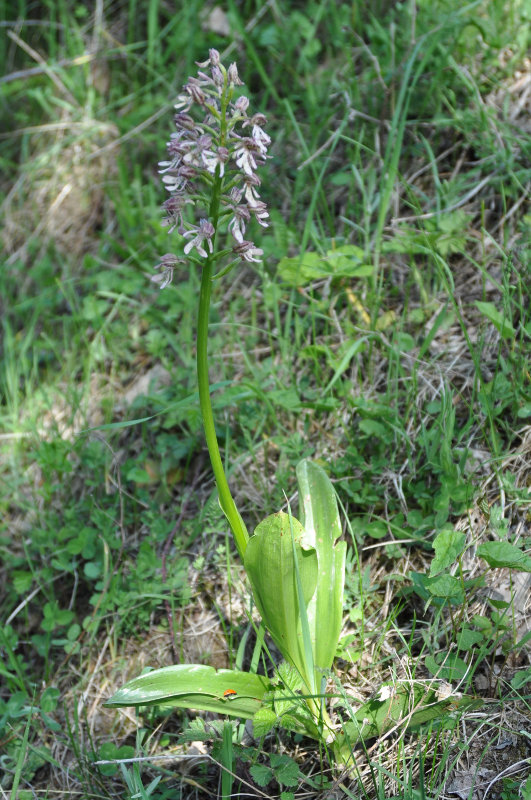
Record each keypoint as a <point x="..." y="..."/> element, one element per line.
<point x="195" y="686"/>
<point x="320" y="519"/>
<point x="269" y="562"/>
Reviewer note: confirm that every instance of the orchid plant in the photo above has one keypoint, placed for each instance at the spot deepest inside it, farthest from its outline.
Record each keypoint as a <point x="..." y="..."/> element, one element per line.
<point x="296" y="569"/>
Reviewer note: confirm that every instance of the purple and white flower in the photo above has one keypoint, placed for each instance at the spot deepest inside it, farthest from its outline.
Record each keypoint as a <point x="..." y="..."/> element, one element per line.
<point x="239" y="221"/>
<point x="240" y="107"/>
<point x="251" y="195"/>
<point x="211" y="160"/>
<point x="167" y="264"/>
<point x="258" y="135"/>
<point x="245" y="155"/>
<point x="203" y="233"/>
<point x="208" y="154"/>
<point x="174" y="207"/>
<point x="232" y="74"/>
<point x="259" y="209"/>
<point x="247" y="251"/>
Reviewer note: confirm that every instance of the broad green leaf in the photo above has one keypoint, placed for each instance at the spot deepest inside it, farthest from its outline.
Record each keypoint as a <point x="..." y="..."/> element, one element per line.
<point x="444" y="586"/>
<point x="301" y="269"/>
<point x="499" y="320"/>
<point x="468" y="638"/>
<point x="374" y="428"/>
<point x="287" y="398"/>
<point x="292" y="712"/>
<point x="49" y="699"/>
<point x="348" y="261"/>
<point x="524" y="411"/>
<point x="264" y="721"/>
<point x="195" y="686"/>
<point x="521" y="678"/>
<point x="448" y="547"/>
<point x="322" y="528"/>
<point x="110" y="752"/>
<point x="503" y="554"/>
<point x="343" y="262"/>
<point x="289" y="678"/>
<point x="271" y="570"/>
<point x="306" y="638"/>
<point x="445" y="234"/>
<point x="286" y="707"/>
<point x="262" y="774"/>
<point x="286" y="770"/>
<point x="447" y="666"/>
<point x="377" y="529"/>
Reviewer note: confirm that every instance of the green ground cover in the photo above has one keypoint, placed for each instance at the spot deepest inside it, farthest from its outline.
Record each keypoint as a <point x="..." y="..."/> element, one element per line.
<point x="385" y="334"/>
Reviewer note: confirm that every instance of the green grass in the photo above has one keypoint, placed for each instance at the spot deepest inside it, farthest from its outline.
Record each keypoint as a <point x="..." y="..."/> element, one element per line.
<point x="386" y="334"/>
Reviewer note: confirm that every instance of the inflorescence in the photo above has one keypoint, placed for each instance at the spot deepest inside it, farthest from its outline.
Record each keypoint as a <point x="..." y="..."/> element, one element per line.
<point x="212" y="164"/>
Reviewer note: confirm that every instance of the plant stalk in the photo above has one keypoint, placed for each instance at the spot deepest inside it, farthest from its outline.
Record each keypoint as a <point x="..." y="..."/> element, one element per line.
<point x="226" y="500"/>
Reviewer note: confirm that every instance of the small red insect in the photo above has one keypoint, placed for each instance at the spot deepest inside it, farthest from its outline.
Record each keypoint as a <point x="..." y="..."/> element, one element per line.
<point x="229" y="694"/>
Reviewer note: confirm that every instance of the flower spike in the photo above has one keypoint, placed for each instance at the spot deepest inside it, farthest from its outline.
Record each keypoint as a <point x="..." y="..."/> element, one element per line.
<point x="212" y="163"/>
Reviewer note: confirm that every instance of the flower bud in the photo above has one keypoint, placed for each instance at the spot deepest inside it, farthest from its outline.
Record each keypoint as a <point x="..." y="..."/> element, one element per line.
<point x="242" y="104"/>
<point x="217" y="77"/>
<point x="184" y="121"/>
<point x="232" y="74"/>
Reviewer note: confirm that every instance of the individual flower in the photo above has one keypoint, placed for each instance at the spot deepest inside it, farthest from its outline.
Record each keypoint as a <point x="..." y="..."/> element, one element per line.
<point x="203" y="233"/>
<point x="185" y="122"/>
<point x="211" y="160"/>
<point x="245" y="155"/>
<point x="177" y="148"/>
<point x="240" y="213"/>
<point x="199" y="150"/>
<point x="238" y="222"/>
<point x="218" y="79"/>
<point x="259" y="209"/>
<point x="174" y="207"/>
<point x="251" y="195"/>
<point x="258" y="135"/>
<point x="172" y="183"/>
<point x="194" y="90"/>
<point x="167" y="264"/>
<point x="247" y="251"/>
<point x="180" y="180"/>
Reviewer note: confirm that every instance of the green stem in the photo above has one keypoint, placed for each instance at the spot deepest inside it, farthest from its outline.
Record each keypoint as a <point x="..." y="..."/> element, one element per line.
<point x="225" y="498"/>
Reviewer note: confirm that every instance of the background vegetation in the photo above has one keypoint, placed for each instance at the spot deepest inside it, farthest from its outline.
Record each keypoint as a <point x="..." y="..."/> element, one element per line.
<point x="386" y="334"/>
